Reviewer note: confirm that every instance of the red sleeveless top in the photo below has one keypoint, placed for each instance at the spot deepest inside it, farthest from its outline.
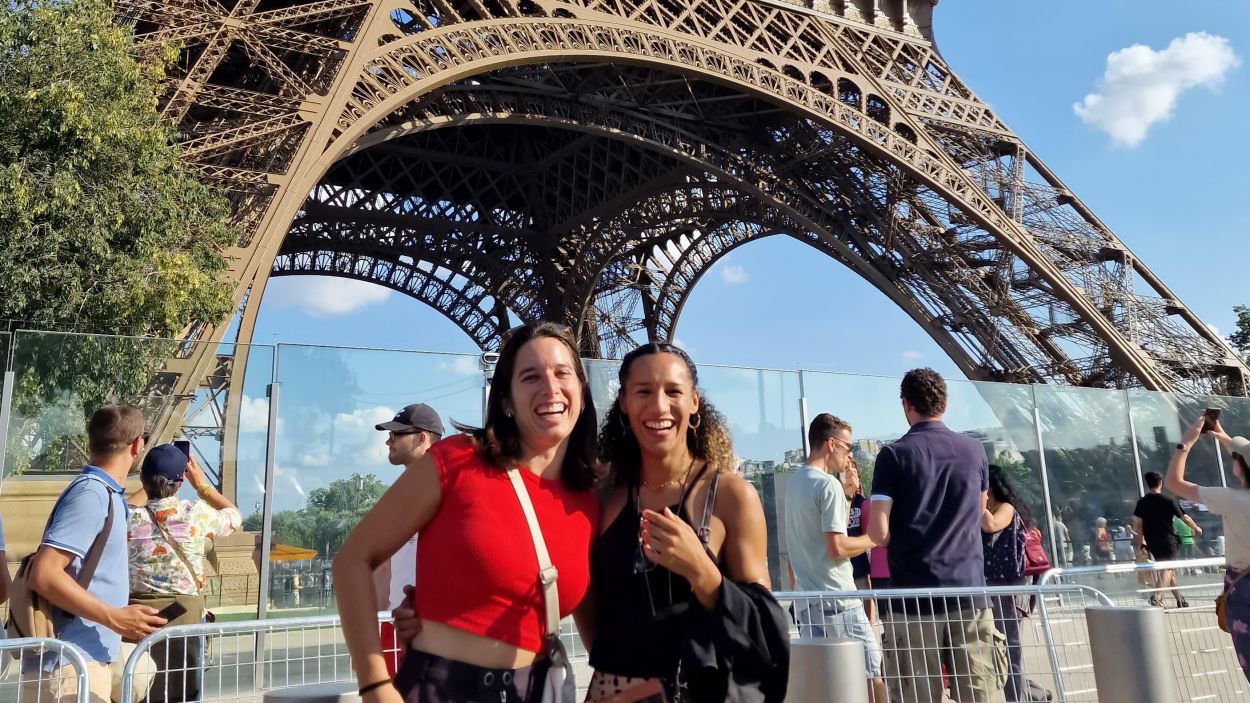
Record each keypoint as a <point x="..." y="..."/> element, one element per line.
<point x="476" y="566"/>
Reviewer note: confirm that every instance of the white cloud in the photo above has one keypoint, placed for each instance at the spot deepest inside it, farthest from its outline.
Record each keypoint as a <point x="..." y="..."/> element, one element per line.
<point x="254" y="415"/>
<point x="1214" y="330"/>
<point x="460" y="366"/>
<point x="324" y="296"/>
<point x="733" y="274"/>
<point x="1141" y="86"/>
<point x="356" y="435"/>
<point x="910" y="356"/>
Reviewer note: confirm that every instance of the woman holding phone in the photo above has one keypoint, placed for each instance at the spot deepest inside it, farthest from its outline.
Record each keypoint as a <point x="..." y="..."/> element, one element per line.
<point x="1233" y="504"/>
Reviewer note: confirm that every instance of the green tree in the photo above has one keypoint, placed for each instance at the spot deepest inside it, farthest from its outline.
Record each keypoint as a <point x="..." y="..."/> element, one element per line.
<point x="327" y="516"/>
<point x="102" y="227"/>
<point x="1240" y="339"/>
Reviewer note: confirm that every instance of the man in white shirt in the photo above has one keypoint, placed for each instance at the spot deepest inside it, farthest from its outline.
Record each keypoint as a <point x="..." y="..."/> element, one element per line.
<point x="412" y="431"/>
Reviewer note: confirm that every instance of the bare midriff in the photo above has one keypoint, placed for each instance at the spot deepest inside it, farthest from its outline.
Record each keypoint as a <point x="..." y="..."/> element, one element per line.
<point x="451" y="643"/>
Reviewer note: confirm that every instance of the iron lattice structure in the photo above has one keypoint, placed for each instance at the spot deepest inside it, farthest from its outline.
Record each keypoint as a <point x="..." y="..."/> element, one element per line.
<point x="588" y="160"/>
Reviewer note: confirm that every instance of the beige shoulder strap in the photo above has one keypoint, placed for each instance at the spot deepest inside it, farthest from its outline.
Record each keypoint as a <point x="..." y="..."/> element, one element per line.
<point x="546" y="571"/>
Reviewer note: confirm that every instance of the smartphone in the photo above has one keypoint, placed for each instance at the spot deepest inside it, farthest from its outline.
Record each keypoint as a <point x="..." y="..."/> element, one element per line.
<point x="184" y="445"/>
<point x="1209" y="417"/>
<point x="173" y="611"/>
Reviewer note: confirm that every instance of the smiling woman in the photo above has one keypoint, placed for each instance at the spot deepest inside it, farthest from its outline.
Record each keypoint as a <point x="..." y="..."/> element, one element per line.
<point x="474" y="500"/>
<point x="680" y="566"/>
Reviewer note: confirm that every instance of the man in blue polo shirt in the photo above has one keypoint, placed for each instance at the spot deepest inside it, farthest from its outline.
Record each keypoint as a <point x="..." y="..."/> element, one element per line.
<point x="928" y="493"/>
<point x="93" y="616"/>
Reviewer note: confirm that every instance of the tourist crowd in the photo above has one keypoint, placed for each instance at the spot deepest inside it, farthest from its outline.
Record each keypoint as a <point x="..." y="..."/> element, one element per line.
<point x="638" y="527"/>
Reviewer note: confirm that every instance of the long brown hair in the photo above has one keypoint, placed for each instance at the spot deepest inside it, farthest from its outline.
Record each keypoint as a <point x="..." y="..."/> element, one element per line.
<point x="707" y="438"/>
<point x="499" y="440"/>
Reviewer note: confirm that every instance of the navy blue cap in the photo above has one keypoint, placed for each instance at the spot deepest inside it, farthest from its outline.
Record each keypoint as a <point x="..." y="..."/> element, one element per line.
<point x="413" y="418"/>
<point x="164" y="460"/>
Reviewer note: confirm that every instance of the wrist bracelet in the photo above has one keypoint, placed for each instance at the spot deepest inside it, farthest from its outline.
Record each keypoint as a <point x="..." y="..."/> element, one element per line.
<point x="376" y="684"/>
<point x="204" y="491"/>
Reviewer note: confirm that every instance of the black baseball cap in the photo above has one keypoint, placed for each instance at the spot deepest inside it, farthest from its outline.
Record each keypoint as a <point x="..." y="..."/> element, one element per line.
<point x="417" y="416"/>
<point x="164" y="460"/>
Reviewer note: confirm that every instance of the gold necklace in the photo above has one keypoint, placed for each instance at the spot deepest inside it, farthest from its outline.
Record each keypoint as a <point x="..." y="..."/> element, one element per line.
<point x="672" y="481"/>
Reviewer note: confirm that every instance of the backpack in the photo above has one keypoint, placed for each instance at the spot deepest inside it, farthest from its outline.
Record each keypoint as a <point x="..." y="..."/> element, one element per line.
<point x="1004" y="552"/>
<point x="30" y="614"/>
<point x="1035" y="560"/>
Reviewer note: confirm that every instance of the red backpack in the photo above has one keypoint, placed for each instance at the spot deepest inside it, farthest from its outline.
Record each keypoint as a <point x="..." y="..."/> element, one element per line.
<point x="1035" y="559"/>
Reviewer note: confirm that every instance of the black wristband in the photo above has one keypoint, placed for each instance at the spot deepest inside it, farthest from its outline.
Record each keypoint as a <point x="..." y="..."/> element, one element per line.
<point x="1182" y="448"/>
<point x="376" y="684"/>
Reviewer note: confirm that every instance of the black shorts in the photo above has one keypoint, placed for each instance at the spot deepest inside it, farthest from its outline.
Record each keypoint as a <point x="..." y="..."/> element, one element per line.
<point x="1166" y="550"/>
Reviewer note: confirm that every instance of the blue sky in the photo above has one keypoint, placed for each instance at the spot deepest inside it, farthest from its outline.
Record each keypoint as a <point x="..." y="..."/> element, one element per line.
<point x="1176" y="196"/>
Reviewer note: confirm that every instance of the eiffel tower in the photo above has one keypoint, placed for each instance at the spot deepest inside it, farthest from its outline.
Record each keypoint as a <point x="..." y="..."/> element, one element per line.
<point x="587" y="161"/>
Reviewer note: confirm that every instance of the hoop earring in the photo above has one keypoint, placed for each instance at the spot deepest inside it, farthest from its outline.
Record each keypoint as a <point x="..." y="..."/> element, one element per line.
<point x="624" y="419"/>
<point x="696" y="425"/>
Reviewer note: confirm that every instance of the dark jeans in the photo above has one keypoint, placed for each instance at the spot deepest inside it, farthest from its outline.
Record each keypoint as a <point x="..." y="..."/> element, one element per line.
<point x="1237" y="611"/>
<point x="1007" y="620"/>
<point x="426" y="678"/>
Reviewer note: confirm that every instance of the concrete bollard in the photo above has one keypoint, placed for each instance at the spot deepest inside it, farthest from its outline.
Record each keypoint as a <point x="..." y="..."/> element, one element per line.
<point x="822" y="670"/>
<point x="1132" y="663"/>
<point x="343" y="692"/>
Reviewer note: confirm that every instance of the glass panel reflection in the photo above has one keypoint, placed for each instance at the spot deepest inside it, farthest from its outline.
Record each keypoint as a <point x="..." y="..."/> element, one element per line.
<point x="331" y="462"/>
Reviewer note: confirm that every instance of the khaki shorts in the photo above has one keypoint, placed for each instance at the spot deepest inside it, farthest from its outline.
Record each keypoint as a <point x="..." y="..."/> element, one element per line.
<point x="964" y="641"/>
<point x="61" y="685"/>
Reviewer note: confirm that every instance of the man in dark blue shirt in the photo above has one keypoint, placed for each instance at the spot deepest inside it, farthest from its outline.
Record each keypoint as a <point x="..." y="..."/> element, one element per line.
<point x="928" y="493"/>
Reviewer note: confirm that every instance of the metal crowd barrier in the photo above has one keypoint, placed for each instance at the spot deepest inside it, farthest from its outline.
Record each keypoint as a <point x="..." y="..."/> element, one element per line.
<point x="1203" y="661"/>
<point x="238" y="661"/>
<point x="919" y="662"/>
<point x="25" y="681"/>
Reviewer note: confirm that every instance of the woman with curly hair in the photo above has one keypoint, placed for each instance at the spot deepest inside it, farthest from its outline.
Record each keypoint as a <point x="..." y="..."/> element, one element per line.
<point x="679" y="573"/>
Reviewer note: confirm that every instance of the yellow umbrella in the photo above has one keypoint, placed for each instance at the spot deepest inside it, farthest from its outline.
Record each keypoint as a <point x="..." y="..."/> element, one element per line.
<point x="285" y="552"/>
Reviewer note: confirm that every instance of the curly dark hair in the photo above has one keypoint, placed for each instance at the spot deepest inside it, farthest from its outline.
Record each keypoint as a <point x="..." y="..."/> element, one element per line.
<point x="925" y="390"/>
<point x="618" y="447"/>
<point x="499" y="441"/>
<point x="1004" y="491"/>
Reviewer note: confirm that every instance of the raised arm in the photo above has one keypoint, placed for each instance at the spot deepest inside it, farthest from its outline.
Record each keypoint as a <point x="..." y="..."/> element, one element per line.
<point x="405" y="508"/>
<point x="1175" y="480"/>
<point x="997" y="519"/>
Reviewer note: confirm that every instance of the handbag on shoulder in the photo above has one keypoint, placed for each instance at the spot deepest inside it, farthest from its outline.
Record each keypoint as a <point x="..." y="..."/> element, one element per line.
<point x="1221" y="601"/>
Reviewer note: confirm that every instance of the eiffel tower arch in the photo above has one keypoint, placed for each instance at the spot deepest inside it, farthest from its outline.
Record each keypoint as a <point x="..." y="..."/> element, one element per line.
<point x="588" y="160"/>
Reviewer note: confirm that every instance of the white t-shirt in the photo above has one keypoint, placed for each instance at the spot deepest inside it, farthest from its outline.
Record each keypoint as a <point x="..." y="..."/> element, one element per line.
<point x="403" y="571"/>
<point x="1233" y="504"/>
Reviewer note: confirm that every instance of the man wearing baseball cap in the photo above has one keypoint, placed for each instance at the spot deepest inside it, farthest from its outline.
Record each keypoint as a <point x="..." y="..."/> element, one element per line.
<point x="409" y="434"/>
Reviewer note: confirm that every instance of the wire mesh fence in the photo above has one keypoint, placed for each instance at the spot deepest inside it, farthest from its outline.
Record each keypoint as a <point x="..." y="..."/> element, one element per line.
<point x="1203" y="660"/>
<point x="36" y="670"/>
<point x="1009" y="643"/>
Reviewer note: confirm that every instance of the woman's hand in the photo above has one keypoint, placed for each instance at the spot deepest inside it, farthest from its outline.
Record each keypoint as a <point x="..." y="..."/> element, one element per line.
<point x="407" y="624"/>
<point x="1193" y="433"/>
<point x="669" y="541"/>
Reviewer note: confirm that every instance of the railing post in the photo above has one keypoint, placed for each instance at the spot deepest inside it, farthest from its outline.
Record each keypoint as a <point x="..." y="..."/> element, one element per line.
<point x="1130" y="653"/>
<point x="820" y="667"/>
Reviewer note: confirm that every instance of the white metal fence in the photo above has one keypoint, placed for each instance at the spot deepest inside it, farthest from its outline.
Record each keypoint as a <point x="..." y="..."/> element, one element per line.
<point x="1203" y="660"/>
<point x="25" y="680"/>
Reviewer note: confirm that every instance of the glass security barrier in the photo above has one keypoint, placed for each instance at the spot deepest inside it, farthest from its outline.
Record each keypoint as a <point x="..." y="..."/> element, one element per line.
<point x="331" y="463"/>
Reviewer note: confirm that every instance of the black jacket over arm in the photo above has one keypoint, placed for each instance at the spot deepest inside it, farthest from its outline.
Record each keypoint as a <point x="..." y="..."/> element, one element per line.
<point x="740" y="651"/>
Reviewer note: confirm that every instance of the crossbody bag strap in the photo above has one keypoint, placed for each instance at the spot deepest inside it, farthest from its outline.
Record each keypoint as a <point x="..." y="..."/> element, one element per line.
<point x="177" y="549"/>
<point x="546" y="571"/>
<point x="1244" y="572"/>
<point x="92" y="559"/>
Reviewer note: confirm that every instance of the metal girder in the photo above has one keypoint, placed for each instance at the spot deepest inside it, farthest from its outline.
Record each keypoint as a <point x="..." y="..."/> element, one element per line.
<point x="550" y="155"/>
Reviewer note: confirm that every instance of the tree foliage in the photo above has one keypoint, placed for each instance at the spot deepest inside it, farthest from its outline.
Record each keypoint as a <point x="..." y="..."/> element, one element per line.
<point x="1240" y="339"/>
<point x="328" y="515"/>
<point x="102" y="228"/>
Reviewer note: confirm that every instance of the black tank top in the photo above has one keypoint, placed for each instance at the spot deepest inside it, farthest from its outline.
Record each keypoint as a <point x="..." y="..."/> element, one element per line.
<point x="630" y="638"/>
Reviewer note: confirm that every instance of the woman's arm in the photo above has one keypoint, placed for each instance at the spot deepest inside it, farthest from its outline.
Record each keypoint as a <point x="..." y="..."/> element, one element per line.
<point x="1175" y="481"/>
<point x="745" y="552"/>
<point x="998" y="518"/>
<point x="405" y="508"/>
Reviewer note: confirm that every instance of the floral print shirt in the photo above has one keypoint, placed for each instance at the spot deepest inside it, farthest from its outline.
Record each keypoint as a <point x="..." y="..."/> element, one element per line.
<point x="155" y="566"/>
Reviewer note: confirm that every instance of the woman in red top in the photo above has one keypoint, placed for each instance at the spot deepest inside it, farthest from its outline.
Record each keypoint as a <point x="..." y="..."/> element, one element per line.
<point x="478" y="592"/>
